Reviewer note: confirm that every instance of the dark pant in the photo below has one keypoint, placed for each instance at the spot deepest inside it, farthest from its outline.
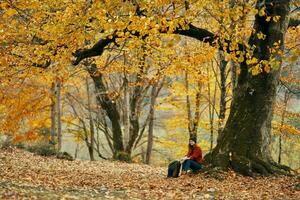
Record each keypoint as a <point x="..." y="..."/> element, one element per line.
<point x="191" y="164"/>
<point x="173" y="169"/>
<point x="170" y="172"/>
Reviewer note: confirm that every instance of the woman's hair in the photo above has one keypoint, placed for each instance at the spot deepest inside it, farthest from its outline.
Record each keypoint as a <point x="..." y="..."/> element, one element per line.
<point x="193" y="138"/>
<point x="190" y="146"/>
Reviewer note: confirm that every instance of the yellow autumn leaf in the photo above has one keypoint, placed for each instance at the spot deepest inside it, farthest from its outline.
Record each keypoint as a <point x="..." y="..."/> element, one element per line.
<point x="276" y="18"/>
<point x="267" y="68"/>
<point x="241" y="59"/>
<point x="10" y="12"/>
<point x="261" y="36"/>
<point x="262" y="12"/>
<point x="252" y="61"/>
<point x="256" y="70"/>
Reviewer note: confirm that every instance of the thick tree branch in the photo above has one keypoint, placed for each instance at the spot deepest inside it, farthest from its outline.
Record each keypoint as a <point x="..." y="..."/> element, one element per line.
<point x="200" y="34"/>
<point x="197" y="33"/>
<point x="294" y="22"/>
<point x="97" y="50"/>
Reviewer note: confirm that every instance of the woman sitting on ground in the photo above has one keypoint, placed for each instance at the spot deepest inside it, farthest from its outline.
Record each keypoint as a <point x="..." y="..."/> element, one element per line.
<point x="193" y="160"/>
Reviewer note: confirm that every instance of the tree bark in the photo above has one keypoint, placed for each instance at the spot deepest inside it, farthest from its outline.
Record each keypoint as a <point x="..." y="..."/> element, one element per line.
<point x="211" y="110"/>
<point x="110" y="107"/>
<point x="91" y="121"/>
<point x="188" y="103"/>
<point x="58" y="104"/>
<point x="134" y="118"/>
<point x="244" y="145"/>
<point x="135" y="104"/>
<point x="197" y="110"/>
<point x="101" y="122"/>
<point x="285" y="101"/>
<point x="222" y="108"/>
<point x="76" y="151"/>
<point x="126" y="121"/>
<point x="193" y="118"/>
<point x="53" y="114"/>
<point x="151" y="123"/>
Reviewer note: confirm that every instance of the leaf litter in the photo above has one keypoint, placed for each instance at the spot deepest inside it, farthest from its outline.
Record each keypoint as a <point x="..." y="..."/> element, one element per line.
<point x="28" y="176"/>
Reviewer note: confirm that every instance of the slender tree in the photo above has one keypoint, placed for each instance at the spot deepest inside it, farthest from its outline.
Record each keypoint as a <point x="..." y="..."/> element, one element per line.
<point x="91" y="122"/>
<point x="53" y="114"/>
<point x="58" y="108"/>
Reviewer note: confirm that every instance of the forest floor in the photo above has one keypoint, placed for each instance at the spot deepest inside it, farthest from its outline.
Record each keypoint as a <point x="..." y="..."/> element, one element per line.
<point x="24" y="175"/>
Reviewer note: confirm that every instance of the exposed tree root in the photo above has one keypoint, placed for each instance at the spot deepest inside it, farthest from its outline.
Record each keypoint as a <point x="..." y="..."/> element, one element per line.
<point x="213" y="172"/>
<point x="248" y="167"/>
<point x="285" y="168"/>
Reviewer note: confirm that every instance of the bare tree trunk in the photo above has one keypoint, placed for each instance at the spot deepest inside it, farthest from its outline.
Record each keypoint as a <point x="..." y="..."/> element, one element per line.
<point x="143" y="153"/>
<point x="135" y="105"/>
<point x="76" y="151"/>
<point x="58" y="100"/>
<point x="83" y="128"/>
<point x="280" y="148"/>
<point x="222" y="109"/>
<point x="151" y="123"/>
<point x="211" y="108"/>
<point x="53" y="114"/>
<point x="101" y="120"/>
<point x="193" y="118"/>
<point x="196" y="119"/>
<point x="126" y="121"/>
<point x="188" y="104"/>
<point x="111" y="111"/>
<point x="285" y="101"/>
<point x="92" y="127"/>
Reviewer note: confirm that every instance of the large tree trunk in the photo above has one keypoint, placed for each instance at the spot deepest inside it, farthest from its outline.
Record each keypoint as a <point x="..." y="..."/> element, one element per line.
<point x="244" y="145"/>
<point x="110" y="107"/>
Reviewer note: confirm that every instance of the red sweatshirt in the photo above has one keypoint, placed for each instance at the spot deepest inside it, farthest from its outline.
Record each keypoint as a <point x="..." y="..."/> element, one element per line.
<point x="195" y="154"/>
